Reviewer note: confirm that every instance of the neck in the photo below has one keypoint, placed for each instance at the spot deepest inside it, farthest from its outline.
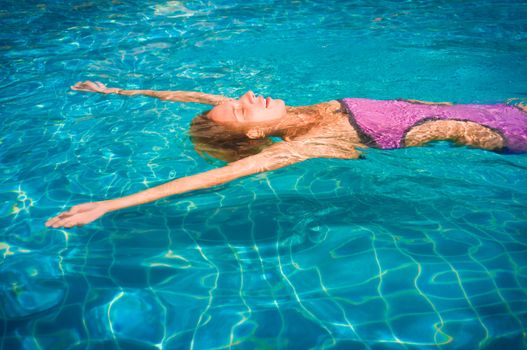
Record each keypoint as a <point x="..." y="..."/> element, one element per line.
<point x="297" y="121"/>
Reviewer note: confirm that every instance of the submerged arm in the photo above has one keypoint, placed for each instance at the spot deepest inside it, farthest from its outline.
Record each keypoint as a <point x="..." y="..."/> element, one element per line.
<point x="177" y="96"/>
<point x="428" y="102"/>
<point x="277" y="156"/>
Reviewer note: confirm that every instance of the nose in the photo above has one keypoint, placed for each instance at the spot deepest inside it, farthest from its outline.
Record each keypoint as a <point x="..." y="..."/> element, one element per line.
<point x="252" y="96"/>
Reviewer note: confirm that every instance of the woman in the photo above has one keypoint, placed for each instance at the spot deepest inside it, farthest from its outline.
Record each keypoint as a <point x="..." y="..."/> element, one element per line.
<point x="333" y="129"/>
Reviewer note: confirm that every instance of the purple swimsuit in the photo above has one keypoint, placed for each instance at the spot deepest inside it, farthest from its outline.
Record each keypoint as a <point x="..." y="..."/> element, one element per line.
<point x="384" y="123"/>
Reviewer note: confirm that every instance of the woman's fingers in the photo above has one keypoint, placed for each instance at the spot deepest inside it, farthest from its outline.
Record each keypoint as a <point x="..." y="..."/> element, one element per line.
<point x="81" y="87"/>
<point x="78" y="215"/>
<point x="53" y="221"/>
<point x="63" y="223"/>
<point x="69" y="223"/>
<point x="62" y="216"/>
<point x="88" y="86"/>
<point x="58" y="223"/>
<point x="66" y="222"/>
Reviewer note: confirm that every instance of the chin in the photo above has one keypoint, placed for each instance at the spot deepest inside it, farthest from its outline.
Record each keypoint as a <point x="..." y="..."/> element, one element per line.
<point x="280" y="106"/>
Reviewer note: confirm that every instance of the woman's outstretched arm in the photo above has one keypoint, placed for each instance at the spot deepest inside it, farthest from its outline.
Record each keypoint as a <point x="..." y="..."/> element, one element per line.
<point x="177" y="96"/>
<point x="427" y="102"/>
<point x="276" y="156"/>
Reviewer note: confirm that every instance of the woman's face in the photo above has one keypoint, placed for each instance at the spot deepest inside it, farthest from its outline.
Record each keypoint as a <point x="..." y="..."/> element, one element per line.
<point x="248" y="109"/>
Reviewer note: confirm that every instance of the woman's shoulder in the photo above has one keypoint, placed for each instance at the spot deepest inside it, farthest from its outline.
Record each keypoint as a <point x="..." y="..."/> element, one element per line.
<point x="318" y="108"/>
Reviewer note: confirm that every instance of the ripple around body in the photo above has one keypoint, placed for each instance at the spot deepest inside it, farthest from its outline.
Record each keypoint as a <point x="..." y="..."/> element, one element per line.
<point x="415" y="248"/>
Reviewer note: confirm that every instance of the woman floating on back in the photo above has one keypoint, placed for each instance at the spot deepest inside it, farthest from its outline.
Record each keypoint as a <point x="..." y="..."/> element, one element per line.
<point x="238" y="131"/>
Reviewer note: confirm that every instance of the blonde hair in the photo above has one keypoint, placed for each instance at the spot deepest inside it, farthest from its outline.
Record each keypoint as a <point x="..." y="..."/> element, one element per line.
<point x="212" y="140"/>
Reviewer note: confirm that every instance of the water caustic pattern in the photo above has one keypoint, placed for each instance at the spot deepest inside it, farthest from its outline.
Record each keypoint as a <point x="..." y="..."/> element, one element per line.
<point x="417" y="248"/>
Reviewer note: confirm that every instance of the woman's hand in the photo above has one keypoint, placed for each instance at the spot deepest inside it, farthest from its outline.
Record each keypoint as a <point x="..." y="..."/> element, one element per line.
<point x="79" y="215"/>
<point x="94" y="87"/>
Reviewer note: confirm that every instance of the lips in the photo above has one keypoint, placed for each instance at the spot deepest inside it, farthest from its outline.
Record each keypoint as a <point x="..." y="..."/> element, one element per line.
<point x="267" y="102"/>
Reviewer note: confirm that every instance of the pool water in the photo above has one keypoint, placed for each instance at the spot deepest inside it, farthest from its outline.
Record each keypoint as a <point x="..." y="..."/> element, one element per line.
<point x="417" y="248"/>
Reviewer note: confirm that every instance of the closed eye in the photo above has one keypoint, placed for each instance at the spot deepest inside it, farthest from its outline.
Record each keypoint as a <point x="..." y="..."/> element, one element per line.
<point x="238" y="113"/>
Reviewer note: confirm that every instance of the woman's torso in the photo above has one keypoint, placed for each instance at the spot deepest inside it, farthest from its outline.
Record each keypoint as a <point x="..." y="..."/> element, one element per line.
<point x="397" y="123"/>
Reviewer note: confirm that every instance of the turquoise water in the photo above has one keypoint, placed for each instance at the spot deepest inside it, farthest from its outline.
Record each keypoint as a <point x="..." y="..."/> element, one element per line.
<point x="418" y="248"/>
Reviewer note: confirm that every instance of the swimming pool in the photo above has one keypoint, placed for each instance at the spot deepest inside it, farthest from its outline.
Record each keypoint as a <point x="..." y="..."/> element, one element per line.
<point x="414" y="248"/>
